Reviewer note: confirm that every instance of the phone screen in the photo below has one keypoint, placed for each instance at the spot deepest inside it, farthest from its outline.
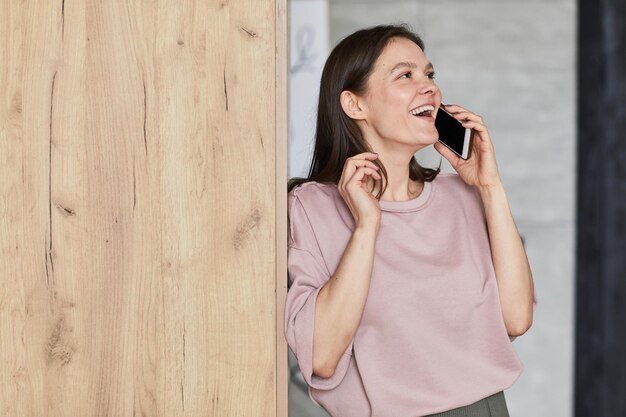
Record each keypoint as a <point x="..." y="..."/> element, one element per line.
<point x="452" y="133"/>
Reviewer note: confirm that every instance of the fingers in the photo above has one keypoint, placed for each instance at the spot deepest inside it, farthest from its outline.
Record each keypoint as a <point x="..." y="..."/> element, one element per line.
<point x="467" y="115"/>
<point x="361" y="172"/>
<point x="357" y="161"/>
<point x="358" y="178"/>
<point x="447" y="153"/>
<point x="357" y="183"/>
<point x="368" y="155"/>
<point x="453" y="108"/>
<point x="474" y="125"/>
<point x="461" y="114"/>
<point x="362" y="159"/>
<point x="469" y="120"/>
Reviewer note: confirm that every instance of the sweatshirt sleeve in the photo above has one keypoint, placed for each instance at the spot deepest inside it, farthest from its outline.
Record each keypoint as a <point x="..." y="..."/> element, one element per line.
<point x="307" y="274"/>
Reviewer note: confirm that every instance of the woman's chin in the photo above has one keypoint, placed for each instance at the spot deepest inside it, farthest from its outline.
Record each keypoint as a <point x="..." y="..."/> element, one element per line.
<point x="430" y="139"/>
<point x="428" y="136"/>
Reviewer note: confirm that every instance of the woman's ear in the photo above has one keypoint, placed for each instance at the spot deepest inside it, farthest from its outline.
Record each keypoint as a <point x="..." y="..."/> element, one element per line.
<point x="352" y="105"/>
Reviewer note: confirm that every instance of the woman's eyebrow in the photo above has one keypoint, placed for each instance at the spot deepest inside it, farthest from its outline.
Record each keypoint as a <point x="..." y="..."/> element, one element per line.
<point x="410" y="65"/>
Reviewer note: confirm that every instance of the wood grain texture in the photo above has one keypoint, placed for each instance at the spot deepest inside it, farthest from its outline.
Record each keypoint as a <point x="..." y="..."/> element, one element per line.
<point x="139" y="233"/>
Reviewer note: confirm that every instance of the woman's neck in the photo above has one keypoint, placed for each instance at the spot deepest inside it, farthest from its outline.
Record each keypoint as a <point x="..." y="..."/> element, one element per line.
<point x="405" y="189"/>
<point x="399" y="186"/>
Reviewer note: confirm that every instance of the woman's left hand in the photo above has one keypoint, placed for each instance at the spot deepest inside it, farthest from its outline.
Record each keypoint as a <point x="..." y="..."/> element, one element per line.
<point x="480" y="169"/>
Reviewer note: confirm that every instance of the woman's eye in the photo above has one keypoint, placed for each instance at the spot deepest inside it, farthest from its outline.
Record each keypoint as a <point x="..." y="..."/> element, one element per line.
<point x="431" y="75"/>
<point x="406" y="75"/>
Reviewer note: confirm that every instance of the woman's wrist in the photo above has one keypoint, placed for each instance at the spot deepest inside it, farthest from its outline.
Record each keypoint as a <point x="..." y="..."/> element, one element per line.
<point x="491" y="191"/>
<point x="494" y="199"/>
<point x="367" y="227"/>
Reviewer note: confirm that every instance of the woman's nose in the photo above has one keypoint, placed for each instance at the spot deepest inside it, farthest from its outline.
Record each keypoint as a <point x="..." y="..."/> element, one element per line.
<point x="429" y="88"/>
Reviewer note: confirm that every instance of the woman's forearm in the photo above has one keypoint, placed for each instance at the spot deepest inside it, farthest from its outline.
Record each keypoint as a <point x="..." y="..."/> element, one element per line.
<point x="513" y="274"/>
<point x="341" y="300"/>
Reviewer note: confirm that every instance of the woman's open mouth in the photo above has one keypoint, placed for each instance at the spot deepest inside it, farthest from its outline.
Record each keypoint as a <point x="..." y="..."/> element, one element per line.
<point x="425" y="112"/>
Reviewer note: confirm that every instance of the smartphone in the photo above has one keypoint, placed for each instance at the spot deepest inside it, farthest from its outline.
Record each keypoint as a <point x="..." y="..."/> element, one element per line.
<point x="453" y="134"/>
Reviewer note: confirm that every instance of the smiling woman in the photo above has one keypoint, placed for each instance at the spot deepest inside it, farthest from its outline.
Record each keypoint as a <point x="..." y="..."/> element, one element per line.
<point x="406" y="286"/>
<point x="338" y="133"/>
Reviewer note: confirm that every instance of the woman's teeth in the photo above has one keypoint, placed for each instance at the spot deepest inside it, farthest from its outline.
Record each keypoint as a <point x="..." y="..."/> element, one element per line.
<point x="423" y="110"/>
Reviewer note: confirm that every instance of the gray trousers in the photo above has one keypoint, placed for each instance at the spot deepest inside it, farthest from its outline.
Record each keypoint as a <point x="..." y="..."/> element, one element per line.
<point x="492" y="406"/>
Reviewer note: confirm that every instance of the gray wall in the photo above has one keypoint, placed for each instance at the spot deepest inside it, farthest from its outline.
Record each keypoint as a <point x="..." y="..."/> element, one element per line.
<point x="513" y="64"/>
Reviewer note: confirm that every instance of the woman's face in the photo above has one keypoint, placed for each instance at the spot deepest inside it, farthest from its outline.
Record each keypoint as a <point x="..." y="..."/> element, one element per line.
<point x="401" y="82"/>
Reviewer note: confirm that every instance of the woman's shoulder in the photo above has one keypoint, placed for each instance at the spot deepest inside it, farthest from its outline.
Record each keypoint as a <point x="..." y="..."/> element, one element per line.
<point x="314" y="194"/>
<point x="452" y="187"/>
<point x="312" y="210"/>
<point x="449" y="178"/>
<point x="453" y="181"/>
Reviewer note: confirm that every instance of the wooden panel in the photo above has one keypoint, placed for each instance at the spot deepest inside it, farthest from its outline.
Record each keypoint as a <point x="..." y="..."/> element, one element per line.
<point x="140" y="219"/>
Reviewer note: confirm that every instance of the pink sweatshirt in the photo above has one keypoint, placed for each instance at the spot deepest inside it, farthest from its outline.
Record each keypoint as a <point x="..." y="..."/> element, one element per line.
<point x="431" y="337"/>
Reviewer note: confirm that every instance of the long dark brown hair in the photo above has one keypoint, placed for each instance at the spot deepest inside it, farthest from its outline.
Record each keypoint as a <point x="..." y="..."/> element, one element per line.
<point x="337" y="136"/>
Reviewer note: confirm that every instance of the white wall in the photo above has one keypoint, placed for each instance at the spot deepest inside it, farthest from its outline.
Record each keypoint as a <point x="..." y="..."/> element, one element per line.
<point x="308" y="50"/>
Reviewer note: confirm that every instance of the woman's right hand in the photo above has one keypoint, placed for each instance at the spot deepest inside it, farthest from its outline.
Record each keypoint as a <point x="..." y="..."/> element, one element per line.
<point x="353" y="187"/>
